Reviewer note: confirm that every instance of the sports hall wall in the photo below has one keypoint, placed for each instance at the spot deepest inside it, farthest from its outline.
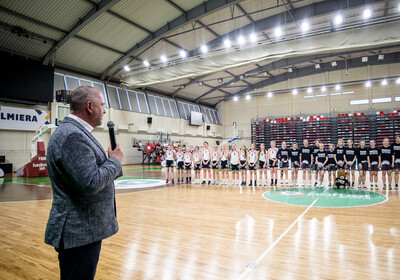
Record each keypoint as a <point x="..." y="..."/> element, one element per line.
<point x="287" y="105"/>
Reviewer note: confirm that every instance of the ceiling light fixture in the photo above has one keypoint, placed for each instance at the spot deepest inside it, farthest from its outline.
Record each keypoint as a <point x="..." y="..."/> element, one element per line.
<point x="248" y="97"/>
<point x="398" y="81"/>
<point x="309" y="90"/>
<point x="368" y="84"/>
<point x="227" y="43"/>
<point x="200" y="83"/>
<point x="305" y="26"/>
<point x="367" y="13"/>
<point x="364" y="59"/>
<point x="182" y="86"/>
<point x="317" y="66"/>
<point x="338" y="19"/>
<point x="384" y="82"/>
<point x="146" y="63"/>
<point x="204" y="49"/>
<point x="381" y="56"/>
<point x="295" y="92"/>
<point x="290" y="70"/>
<point x="163" y="58"/>
<point x="126" y="68"/>
<point x="338" y="87"/>
<point x="265" y="74"/>
<point x="278" y="32"/>
<point x="235" y="98"/>
<point x="323" y="88"/>
<point x="183" y="53"/>
<point x="241" y="40"/>
<point x="241" y="77"/>
<point x="334" y="63"/>
<point x="269" y="94"/>
<point x="220" y="80"/>
<point x="253" y="37"/>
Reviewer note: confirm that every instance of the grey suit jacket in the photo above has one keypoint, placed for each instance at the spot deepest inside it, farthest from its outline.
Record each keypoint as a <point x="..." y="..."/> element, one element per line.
<point x="83" y="209"/>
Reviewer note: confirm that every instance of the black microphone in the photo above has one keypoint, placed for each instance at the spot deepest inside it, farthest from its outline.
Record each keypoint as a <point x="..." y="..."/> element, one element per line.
<point x="110" y="125"/>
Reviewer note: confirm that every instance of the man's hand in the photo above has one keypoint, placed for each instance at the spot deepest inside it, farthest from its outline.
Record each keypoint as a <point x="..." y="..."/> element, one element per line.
<point x="116" y="153"/>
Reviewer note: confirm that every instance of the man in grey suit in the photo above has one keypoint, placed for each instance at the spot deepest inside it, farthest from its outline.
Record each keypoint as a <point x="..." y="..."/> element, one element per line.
<point x="83" y="211"/>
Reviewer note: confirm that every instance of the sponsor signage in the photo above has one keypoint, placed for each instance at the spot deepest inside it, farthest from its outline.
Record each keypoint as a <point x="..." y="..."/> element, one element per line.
<point x="12" y="118"/>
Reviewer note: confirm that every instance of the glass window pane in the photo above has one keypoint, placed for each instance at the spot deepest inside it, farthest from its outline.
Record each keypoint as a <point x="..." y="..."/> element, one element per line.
<point x="152" y="104"/>
<point x="182" y="111"/>
<point x="205" y="115"/>
<point x="219" y="118"/>
<point x="197" y="108"/>
<point x="133" y="100"/>
<point x="58" y="82"/>
<point x="160" y="106"/>
<point x="123" y="99"/>
<point x="142" y="102"/>
<point x="100" y="87"/>
<point x="167" y="107"/>
<point x="174" y="109"/>
<point x="187" y="110"/>
<point x="210" y="116"/>
<point x="215" y="116"/>
<point x="84" y="82"/>
<point x="191" y="107"/>
<point x="72" y="83"/>
<point x="113" y="97"/>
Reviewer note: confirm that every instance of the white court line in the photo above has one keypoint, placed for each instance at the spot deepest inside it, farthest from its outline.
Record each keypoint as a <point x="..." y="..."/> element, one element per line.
<point x="259" y="259"/>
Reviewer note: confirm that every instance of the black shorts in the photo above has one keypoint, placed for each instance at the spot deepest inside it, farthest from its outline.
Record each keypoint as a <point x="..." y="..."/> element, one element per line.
<point x="180" y="165"/>
<point x="235" y="167"/>
<point x="348" y="167"/>
<point x="374" y="167"/>
<point x="323" y="168"/>
<point x="305" y="165"/>
<point x="261" y="164"/>
<point x="197" y="166"/>
<point x="315" y="166"/>
<point x="331" y="167"/>
<point x="214" y="166"/>
<point x="224" y="164"/>
<point x="386" y="167"/>
<point x="206" y="165"/>
<point x="271" y="162"/>
<point x="188" y="166"/>
<point x="244" y="167"/>
<point x="340" y="167"/>
<point x="364" y="166"/>
<point x="397" y="165"/>
<point x="169" y="163"/>
<point x="284" y="164"/>
<point x="252" y="167"/>
<point x="294" y="165"/>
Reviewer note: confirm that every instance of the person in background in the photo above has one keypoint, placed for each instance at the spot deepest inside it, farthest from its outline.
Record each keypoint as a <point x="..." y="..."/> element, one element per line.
<point x="385" y="163"/>
<point x="197" y="164"/>
<point x="262" y="164"/>
<point x="170" y="156"/>
<point x="273" y="162"/>
<point x="224" y="164"/>
<point x="180" y="165"/>
<point x="206" y="158"/>
<point x="339" y="158"/>
<point x="188" y="159"/>
<point x="243" y="164"/>
<point x="362" y="158"/>
<point x="350" y="155"/>
<point x="396" y="162"/>
<point x="216" y="157"/>
<point x="373" y="164"/>
<point x="283" y="156"/>
<point x="252" y="159"/>
<point x="83" y="211"/>
<point x="306" y="159"/>
<point x="234" y="157"/>
<point x="331" y="164"/>
<point x="294" y="156"/>
<point x="315" y="150"/>
<point x="320" y="160"/>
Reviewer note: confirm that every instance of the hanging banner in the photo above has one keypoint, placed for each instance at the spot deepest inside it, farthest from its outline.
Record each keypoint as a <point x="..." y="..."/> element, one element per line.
<point x="12" y="118"/>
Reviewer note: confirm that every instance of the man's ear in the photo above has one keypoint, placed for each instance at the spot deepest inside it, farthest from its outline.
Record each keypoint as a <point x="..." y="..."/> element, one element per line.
<point x="89" y="106"/>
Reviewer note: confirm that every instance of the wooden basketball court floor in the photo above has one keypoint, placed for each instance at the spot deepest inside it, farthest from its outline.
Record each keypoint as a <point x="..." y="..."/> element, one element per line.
<point x="209" y="232"/>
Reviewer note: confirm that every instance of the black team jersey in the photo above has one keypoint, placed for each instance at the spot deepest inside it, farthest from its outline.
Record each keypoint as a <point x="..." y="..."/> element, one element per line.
<point x="396" y="151"/>
<point x="386" y="155"/>
<point x="283" y="154"/>
<point x="306" y="154"/>
<point x="294" y="155"/>
<point x="373" y="154"/>
<point x="340" y="153"/>
<point x="362" y="155"/>
<point x="321" y="156"/>
<point x="315" y="150"/>
<point x="350" y="154"/>
<point x="331" y="157"/>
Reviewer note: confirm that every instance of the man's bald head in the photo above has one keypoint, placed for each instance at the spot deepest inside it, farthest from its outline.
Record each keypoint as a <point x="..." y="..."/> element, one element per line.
<point x="81" y="95"/>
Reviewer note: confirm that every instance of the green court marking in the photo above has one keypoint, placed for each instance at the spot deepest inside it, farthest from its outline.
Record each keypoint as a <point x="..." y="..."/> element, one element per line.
<point x="134" y="177"/>
<point x="143" y="169"/>
<point x="326" y="197"/>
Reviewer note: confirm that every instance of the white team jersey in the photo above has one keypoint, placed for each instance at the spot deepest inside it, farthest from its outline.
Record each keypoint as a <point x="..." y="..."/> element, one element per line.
<point x="196" y="157"/>
<point x="252" y="156"/>
<point x="170" y="155"/>
<point x="243" y="156"/>
<point x="215" y="156"/>
<point x="263" y="156"/>
<point x="272" y="153"/>
<point x="188" y="157"/>
<point x="224" y="155"/>
<point x="235" y="157"/>
<point x="179" y="156"/>
<point x="206" y="154"/>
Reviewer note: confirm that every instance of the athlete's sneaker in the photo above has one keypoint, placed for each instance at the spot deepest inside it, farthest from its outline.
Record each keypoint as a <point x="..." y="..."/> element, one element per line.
<point x="213" y="182"/>
<point x="372" y="187"/>
<point x="310" y="184"/>
<point x="167" y="181"/>
<point x="396" y="187"/>
<point x="281" y="183"/>
<point x="217" y="182"/>
<point x="304" y="183"/>
<point x="329" y="185"/>
<point x="173" y="182"/>
<point x="390" y="187"/>
<point x="352" y="185"/>
<point x="315" y="184"/>
<point x="364" y="187"/>
<point x="384" y="187"/>
<point x="204" y="182"/>
<point x="376" y="187"/>
<point x="209" y="182"/>
<point x="359" y="187"/>
<point x="260" y="184"/>
<point x="237" y="183"/>
<point x="251" y="184"/>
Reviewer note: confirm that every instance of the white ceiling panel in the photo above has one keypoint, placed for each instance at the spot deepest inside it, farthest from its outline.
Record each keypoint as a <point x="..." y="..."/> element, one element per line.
<point x="187" y="5"/>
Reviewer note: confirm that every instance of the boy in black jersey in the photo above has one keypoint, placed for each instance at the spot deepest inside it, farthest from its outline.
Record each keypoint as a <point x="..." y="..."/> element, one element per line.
<point x="283" y="156"/>
<point x="385" y="163"/>
<point x="306" y="160"/>
<point x="350" y="159"/>
<point x="396" y="163"/>
<point x="321" y="159"/>
<point x="331" y="164"/>
<point x="373" y="163"/>
<point x="315" y="150"/>
<point x="340" y="154"/>
<point x="362" y="158"/>
<point x="294" y="155"/>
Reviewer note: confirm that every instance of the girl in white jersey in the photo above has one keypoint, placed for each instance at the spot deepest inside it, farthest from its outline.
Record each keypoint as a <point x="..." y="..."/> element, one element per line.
<point x="234" y="156"/>
<point x="273" y="163"/>
<point x="243" y="163"/>
<point x="197" y="162"/>
<point x="179" y="164"/>
<point x="252" y="159"/>
<point x="188" y="158"/>
<point x="206" y="160"/>
<point x="262" y="163"/>
<point x="216" y="157"/>
<point x="224" y="164"/>
<point x="170" y="156"/>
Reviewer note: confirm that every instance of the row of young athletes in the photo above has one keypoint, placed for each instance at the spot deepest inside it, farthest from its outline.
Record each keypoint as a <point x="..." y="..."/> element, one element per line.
<point x="386" y="158"/>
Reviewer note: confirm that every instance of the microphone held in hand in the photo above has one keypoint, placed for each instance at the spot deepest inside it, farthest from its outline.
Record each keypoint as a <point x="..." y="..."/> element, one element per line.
<point x="110" y="125"/>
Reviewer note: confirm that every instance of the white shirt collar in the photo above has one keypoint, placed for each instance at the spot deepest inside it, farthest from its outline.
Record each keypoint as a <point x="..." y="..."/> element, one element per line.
<point x="87" y="126"/>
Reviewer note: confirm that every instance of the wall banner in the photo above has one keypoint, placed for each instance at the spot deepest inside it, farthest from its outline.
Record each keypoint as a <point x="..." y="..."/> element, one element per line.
<point x="12" y="118"/>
